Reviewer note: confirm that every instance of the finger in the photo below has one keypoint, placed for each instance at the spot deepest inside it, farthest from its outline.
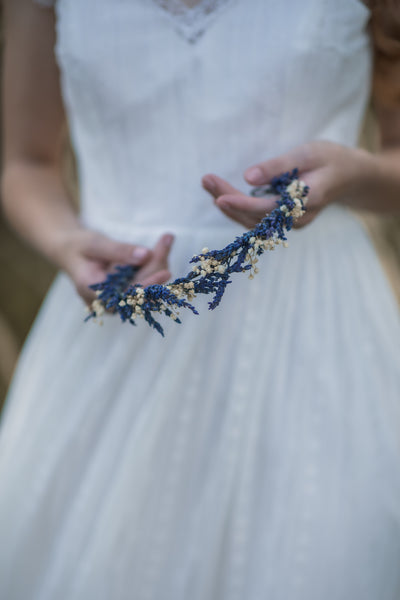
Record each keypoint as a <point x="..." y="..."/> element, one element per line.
<point x="305" y="219"/>
<point x="159" y="259"/>
<point x="246" y="210"/>
<point x="101" y="247"/>
<point x="155" y="278"/>
<point x="222" y="191"/>
<point x="245" y="219"/>
<point x="319" y="183"/>
<point x="161" y="251"/>
<point x="305" y="158"/>
<point x="217" y="186"/>
<point x="85" y="293"/>
<point x="86" y="274"/>
<point x="256" y="206"/>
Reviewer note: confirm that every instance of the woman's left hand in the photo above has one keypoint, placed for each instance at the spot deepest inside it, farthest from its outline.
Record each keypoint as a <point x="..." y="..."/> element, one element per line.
<point x="332" y="172"/>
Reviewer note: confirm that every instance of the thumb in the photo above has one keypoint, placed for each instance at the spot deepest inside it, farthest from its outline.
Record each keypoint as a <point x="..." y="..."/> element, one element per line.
<point x="103" y="248"/>
<point x="162" y="249"/>
<point x="303" y="157"/>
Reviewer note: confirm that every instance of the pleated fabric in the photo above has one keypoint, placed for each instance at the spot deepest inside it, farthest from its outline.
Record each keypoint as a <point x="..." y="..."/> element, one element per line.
<point x="253" y="452"/>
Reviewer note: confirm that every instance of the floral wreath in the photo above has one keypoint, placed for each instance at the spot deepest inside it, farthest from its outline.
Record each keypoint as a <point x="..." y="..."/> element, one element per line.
<point x="213" y="268"/>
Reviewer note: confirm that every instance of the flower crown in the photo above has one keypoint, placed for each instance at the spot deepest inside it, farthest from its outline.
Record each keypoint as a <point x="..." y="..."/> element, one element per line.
<point x="213" y="268"/>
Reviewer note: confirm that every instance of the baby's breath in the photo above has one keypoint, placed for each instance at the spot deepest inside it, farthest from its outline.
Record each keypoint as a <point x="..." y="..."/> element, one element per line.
<point x="212" y="268"/>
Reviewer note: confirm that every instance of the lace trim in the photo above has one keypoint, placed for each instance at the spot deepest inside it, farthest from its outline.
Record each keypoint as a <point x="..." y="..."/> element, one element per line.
<point x="192" y="21"/>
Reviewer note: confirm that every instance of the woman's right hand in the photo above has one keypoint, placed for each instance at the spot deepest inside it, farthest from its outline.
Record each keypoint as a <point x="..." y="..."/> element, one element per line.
<point x="88" y="256"/>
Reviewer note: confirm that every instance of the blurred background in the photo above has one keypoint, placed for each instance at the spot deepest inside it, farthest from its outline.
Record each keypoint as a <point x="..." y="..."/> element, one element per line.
<point x="25" y="276"/>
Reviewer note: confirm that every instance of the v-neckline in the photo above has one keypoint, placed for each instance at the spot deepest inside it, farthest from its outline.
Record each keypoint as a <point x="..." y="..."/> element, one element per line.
<point x="192" y="22"/>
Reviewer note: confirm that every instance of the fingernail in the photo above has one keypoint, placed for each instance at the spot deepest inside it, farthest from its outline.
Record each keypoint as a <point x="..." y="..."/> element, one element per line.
<point x="223" y="204"/>
<point x="168" y="239"/>
<point x="209" y="184"/>
<point x="139" y="252"/>
<point x="254" y="175"/>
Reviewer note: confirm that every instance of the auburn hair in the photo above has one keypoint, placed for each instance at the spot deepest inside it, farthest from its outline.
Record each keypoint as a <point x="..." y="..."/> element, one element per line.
<point x="384" y="28"/>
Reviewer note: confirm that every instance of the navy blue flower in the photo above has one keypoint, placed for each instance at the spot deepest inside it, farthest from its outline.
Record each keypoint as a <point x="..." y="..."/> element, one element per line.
<point x="212" y="268"/>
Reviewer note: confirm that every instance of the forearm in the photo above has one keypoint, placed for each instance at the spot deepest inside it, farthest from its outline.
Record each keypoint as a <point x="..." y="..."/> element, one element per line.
<point x="385" y="185"/>
<point x="375" y="181"/>
<point x="382" y="183"/>
<point x="37" y="206"/>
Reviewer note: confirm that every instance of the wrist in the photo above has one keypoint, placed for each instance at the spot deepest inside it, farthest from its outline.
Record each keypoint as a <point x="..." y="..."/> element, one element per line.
<point x="360" y="172"/>
<point x="61" y="242"/>
<point x="377" y="186"/>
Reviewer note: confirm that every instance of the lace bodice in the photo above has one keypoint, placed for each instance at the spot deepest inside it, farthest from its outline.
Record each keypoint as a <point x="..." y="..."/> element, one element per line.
<point x="191" y="17"/>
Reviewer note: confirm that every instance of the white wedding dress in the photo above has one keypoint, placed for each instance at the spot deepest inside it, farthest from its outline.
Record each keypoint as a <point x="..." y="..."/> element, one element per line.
<point x="254" y="452"/>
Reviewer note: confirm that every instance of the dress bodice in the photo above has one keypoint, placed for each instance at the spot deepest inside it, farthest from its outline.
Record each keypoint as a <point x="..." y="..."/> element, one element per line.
<point x="158" y="93"/>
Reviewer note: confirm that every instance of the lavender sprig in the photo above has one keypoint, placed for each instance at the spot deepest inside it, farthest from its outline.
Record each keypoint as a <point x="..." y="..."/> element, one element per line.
<point x="213" y="268"/>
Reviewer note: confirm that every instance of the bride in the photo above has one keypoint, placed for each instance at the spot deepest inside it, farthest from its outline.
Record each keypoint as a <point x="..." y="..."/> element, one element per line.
<point x="254" y="452"/>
